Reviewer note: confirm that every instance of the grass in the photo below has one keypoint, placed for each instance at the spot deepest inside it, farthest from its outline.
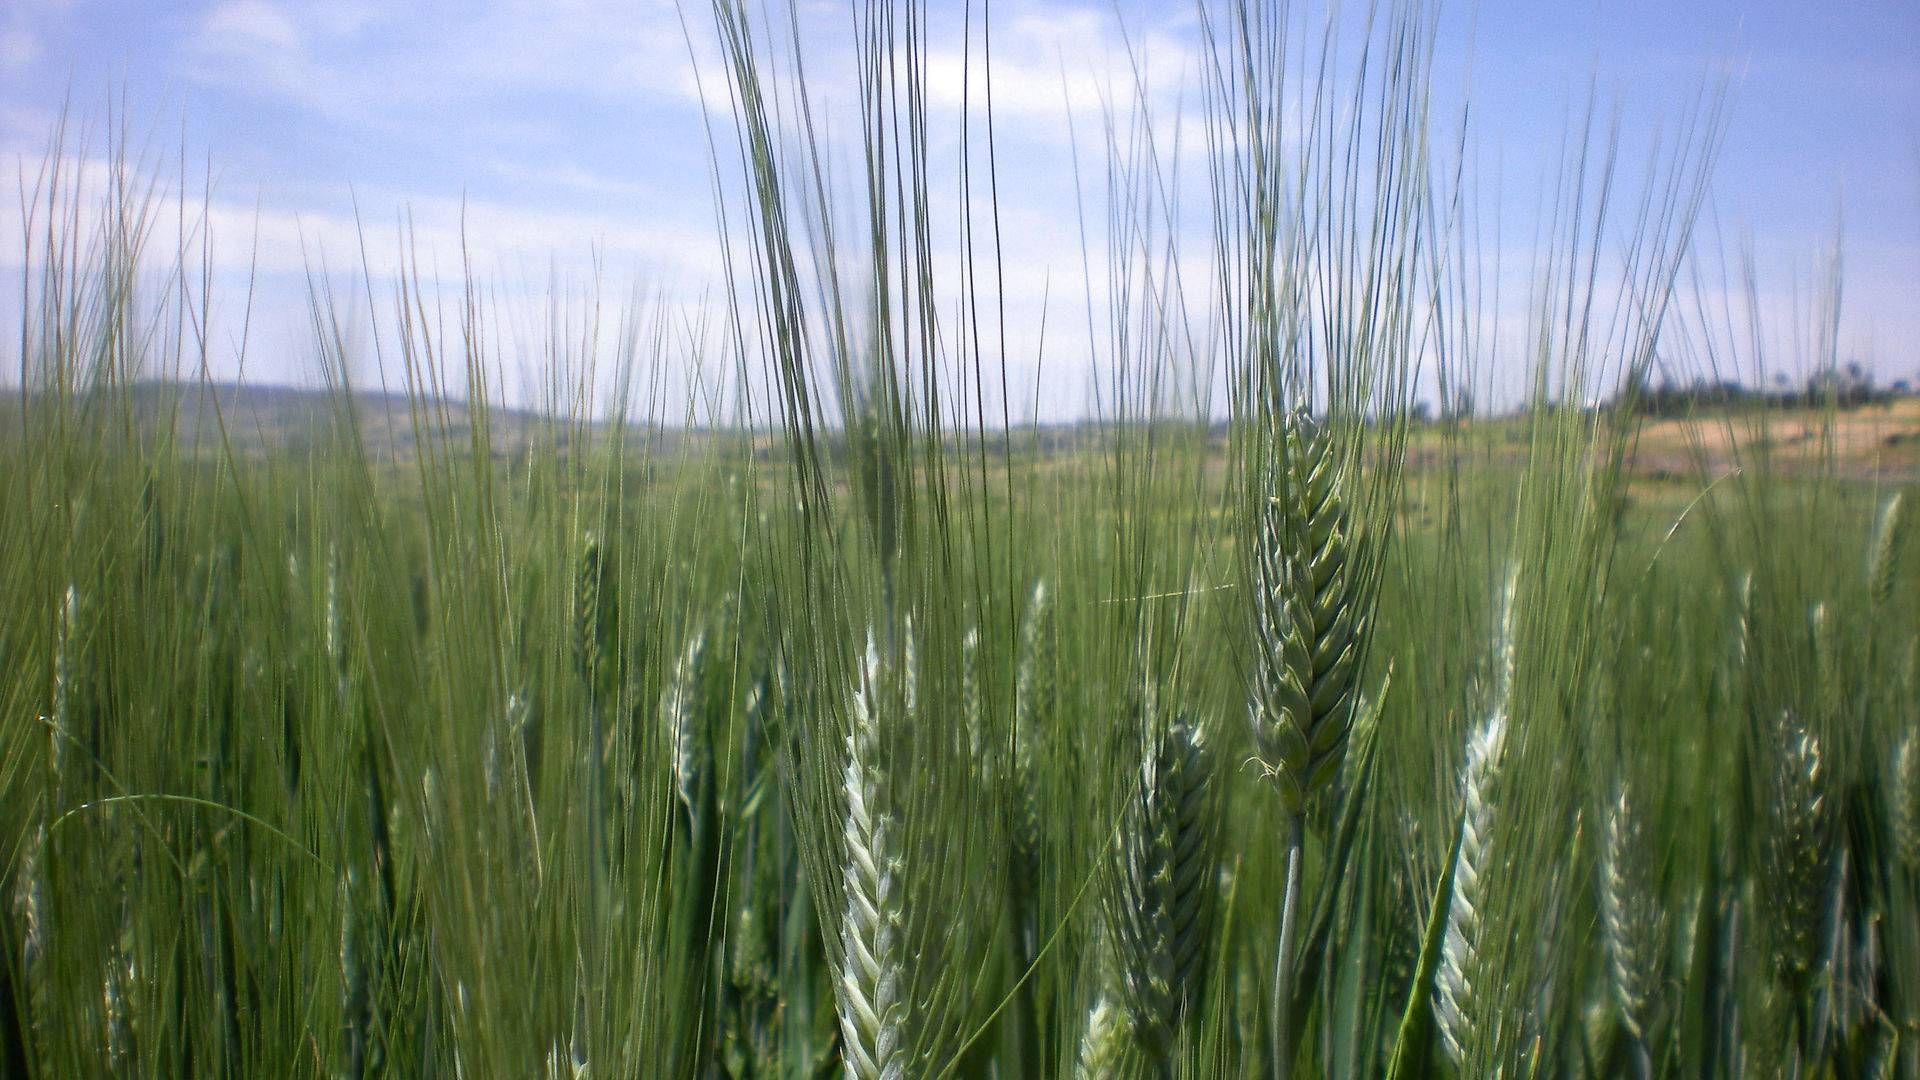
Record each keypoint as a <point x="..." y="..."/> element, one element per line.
<point x="439" y="739"/>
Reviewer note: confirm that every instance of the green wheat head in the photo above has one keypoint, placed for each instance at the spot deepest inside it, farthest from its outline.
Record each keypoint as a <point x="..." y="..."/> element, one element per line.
<point x="1312" y="604"/>
<point x="1632" y="923"/>
<point x="869" y="987"/>
<point x="1160" y="912"/>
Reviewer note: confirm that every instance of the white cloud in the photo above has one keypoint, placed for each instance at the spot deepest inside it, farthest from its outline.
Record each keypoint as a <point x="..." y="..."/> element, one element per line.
<point x="499" y="237"/>
<point x="24" y="27"/>
<point x="563" y="176"/>
<point x="596" y="47"/>
<point x="1054" y="63"/>
<point x="18" y="47"/>
<point x="259" y="48"/>
<point x="22" y="126"/>
<point x="356" y="64"/>
<point x="246" y="26"/>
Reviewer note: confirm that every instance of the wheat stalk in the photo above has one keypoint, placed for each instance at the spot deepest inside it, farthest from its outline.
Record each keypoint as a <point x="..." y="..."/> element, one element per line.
<point x="1160" y="911"/>
<point x="871" y="1004"/>
<point x="564" y="1063"/>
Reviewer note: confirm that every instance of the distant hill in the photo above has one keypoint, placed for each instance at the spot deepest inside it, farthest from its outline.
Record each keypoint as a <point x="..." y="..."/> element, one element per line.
<point x="261" y="419"/>
<point x="1878" y="440"/>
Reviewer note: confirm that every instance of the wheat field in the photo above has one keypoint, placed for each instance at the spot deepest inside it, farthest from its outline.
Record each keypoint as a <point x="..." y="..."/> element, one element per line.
<point x="1296" y="733"/>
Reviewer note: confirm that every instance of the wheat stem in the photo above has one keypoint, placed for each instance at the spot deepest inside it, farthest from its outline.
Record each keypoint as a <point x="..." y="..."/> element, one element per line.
<point x="1283" y="955"/>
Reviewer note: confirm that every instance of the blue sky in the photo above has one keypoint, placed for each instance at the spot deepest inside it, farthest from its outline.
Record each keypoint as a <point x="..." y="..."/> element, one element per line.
<point x="570" y="134"/>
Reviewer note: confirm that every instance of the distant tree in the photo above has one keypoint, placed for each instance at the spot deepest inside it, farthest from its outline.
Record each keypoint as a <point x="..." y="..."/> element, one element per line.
<point x="1457" y="403"/>
<point x="1846" y="386"/>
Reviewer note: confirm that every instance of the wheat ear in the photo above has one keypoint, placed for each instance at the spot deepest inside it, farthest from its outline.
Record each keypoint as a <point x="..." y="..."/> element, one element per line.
<point x="355" y="999"/>
<point x="872" y="1008"/>
<point x="1743" y="620"/>
<point x="586" y="609"/>
<point x="1793" y="848"/>
<point x="1462" y="949"/>
<point x="679" y="714"/>
<point x="970" y="705"/>
<point x="1034" y="701"/>
<point x="1903" y="792"/>
<point x="1103" y="1044"/>
<point x="31" y="910"/>
<point x="1160" y="912"/>
<point x="1311" y="601"/>
<point x="335" y="640"/>
<point x="62" y="718"/>
<point x="1884" y="552"/>
<point x="1630" y="916"/>
<point x="121" y="976"/>
<point x="909" y="678"/>
<point x="1460" y="953"/>
<point x="1312" y="604"/>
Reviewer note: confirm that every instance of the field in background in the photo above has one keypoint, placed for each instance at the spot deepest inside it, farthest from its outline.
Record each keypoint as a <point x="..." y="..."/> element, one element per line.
<point x="1867" y="442"/>
<point x="322" y="724"/>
